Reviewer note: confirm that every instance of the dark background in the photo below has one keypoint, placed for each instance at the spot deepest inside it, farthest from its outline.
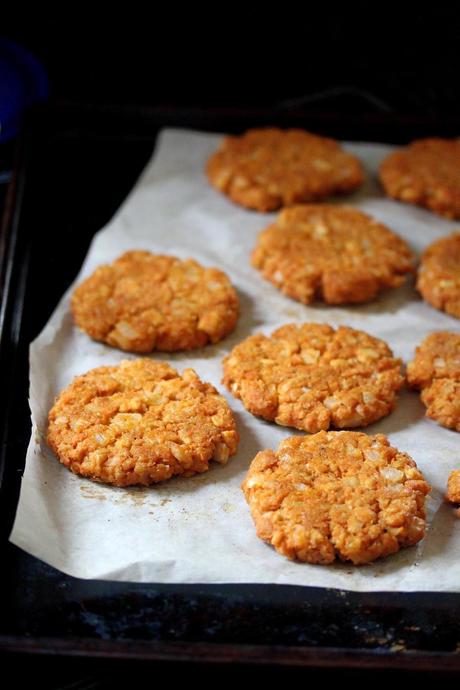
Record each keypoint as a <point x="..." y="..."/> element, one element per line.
<point x="405" y="56"/>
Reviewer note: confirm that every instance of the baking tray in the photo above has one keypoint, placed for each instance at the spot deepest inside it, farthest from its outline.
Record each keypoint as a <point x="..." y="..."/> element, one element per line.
<point x="74" y="167"/>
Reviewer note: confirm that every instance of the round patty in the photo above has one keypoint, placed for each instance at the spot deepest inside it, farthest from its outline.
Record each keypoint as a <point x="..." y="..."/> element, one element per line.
<point x="265" y="169"/>
<point x="140" y="423"/>
<point x="435" y="370"/>
<point x="144" y="302"/>
<point x="342" y="495"/>
<point x="313" y="377"/>
<point x="332" y="253"/>
<point x="438" y="278"/>
<point x="425" y="173"/>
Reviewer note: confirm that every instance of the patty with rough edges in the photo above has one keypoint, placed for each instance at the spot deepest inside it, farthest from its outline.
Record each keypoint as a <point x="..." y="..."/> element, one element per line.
<point x="342" y="495"/>
<point x="332" y="253"/>
<point x="140" y="423"/>
<point x="453" y="489"/>
<point x="425" y="173"/>
<point x="438" y="279"/>
<point x="435" y="370"/>
<point x="144" y="302"/>
<point x="265" y="169"/>
<point x="313" y="377"/>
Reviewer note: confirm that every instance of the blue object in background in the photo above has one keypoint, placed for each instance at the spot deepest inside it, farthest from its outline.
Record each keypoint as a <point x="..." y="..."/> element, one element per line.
<point x="23" y="81"/>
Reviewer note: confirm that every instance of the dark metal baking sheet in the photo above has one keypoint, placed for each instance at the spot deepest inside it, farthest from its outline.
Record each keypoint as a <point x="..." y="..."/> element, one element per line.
<point x="75" y="166"/>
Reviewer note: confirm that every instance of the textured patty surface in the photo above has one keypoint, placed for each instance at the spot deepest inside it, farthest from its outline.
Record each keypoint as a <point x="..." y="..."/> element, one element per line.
<point x="265" y="169"/>
<point x="144" y="302"/>
<point x="332" y="253"/>
<point x="453" y="488"/>
<point x="435" y="370"/>
<point x="426" y="173"/>
<point x="313" y="377"/>
<point x="342" y="495"/>
<point x="438" y="278"/>
<point x="139" y="423"/>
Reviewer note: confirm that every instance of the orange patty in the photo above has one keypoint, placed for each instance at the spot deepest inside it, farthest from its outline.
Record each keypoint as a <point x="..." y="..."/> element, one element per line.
<point x="333" y="495"/>
<point x="334" y="253"/>
<point x="435" y="370"/>
<point x="438" y="278"/>
<point x="140" y="423"/>
<point x="313" y="377"/>
<point x="265" y="169"/>
<point x="426" y="173"/>
<point x="144" y="302"/>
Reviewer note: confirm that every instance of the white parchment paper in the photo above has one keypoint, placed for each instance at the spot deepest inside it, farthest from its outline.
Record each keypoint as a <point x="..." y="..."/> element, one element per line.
<point x="200" y="529"/>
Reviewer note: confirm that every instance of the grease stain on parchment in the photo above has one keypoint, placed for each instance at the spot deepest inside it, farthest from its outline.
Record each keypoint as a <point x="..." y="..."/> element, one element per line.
<point x="134" y="496"/>
<point x="89" y="491"/>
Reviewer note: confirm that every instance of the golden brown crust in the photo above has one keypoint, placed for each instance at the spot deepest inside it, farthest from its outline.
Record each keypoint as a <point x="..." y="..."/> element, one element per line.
<point x="425" y="173"/>
<point x="312" y="377"/>
<point x="435" y="370"/>
<point x="265" y="169"/>
<point x="140" y="423"/>
<point x="333" y="253"/>
<point x="438" y="278"/>
<point x="453" y="488"/>
<point x="144" y="302"/>
<point x="333" y="495"/>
